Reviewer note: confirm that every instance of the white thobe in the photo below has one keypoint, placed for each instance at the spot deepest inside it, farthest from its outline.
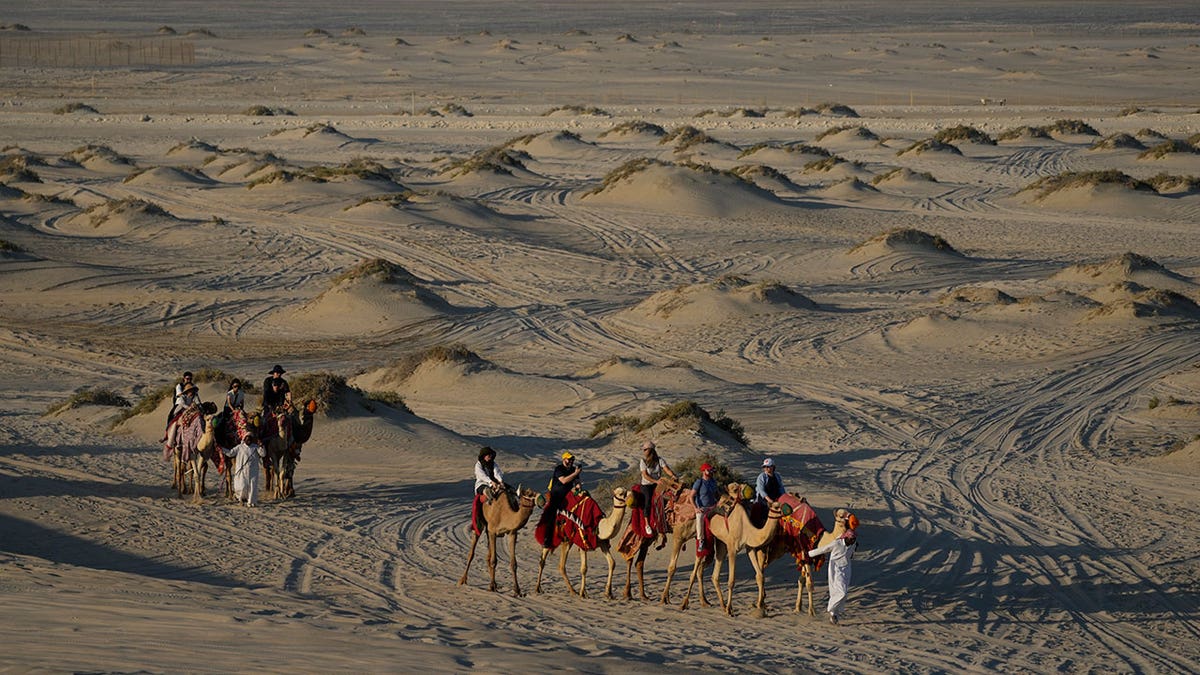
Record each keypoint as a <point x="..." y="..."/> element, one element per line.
<point x="246" y="471"/>
<point x="839" y="571"/>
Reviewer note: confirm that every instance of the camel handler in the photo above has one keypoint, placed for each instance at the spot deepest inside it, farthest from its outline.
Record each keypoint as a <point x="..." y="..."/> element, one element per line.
<point x="704" y="498"/>
<point x="840" y="551"/>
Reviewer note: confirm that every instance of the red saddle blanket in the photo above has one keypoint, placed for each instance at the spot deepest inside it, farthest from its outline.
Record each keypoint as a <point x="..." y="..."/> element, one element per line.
<point x="801" y="528"/>
<point x="577" y="522"/>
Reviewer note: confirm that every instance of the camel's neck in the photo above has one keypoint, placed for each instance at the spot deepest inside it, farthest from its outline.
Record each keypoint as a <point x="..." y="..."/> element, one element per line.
<point x="757" y="537"/>
<point x="608" y="525"/>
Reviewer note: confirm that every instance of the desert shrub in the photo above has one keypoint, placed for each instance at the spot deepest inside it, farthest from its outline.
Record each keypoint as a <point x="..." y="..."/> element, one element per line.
<point x="836" y="110"/>
<point x="1118" y="140"/>
<point x="624" y="171"/>
<point x="166" y="30"/>
<point x="577" y="110"/>
<point x="963" y="132"/>
<point x="1154" y="402"/>
<point x="1129" y="110"/>
<point x="827" y="164"/>
<point x="1072" y="179"/>
<point x="1163" y="182"/>
<point x="316" y="32"/>
<point x="90" y="397"/>
<point x="1147" y="132"/>
<point x="859" y="132"/>
<point x="610" y="422"/>
<point x="637" y="127"/>
<point x="498" y="160"/>
<point x="800" y="112"/>
<point x="403" y="367"/>
<point x="74" y="107"/>
<point x="1167" y="147"/>
<point x="1193" y="140"/>
<point x="929" y="145"/>
<point x="9" y="247"/>
<point x="95" y="151"/>
<point x="354" y="31"/>
<point x="1070" y="127"/>
<point x="327" y="389"/>
<point x="1022" y="132"/>
<point x="689" y="410"/>
<point x="797" y="148"/>
<point x="899" y="170"/>
<point x="390" y="399"/>
<point x="910" y="235"/>
<point x="749" y="171"/>
<point x="377" y="268"/>
<point x="258" y="111"/>
<point x="685" y="137"/>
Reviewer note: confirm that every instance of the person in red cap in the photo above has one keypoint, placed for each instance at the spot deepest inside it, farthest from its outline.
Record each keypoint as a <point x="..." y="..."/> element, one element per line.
<point x="704" y="498"/>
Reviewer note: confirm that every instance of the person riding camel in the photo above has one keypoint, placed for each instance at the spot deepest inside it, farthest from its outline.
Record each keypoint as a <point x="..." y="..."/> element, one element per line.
<point x="565" y="478"/>
<point x="652" y="468"/>
<point x="276" y="390"/>
<point x="488" y="473"/>
<point x="176" y="399"/>
<point x="704" y="498"/>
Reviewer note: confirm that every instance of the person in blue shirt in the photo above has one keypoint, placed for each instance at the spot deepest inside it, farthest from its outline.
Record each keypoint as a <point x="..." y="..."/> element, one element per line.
<point x="769" y="486"/>
<point x="704" y="498"/>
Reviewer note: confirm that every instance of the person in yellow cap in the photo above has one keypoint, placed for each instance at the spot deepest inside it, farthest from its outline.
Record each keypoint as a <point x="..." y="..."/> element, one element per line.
<point x="566" y="477"/>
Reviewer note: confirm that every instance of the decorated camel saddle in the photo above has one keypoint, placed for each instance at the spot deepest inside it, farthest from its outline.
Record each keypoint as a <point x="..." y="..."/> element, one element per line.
<point x="802" y="529"/>
<point x="578" y="522"/>
<point x="672" y="504"/>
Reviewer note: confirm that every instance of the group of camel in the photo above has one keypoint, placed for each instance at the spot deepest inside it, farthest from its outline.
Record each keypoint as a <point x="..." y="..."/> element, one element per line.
<point x="193" y="445"/>
<point x="732" y="527"/>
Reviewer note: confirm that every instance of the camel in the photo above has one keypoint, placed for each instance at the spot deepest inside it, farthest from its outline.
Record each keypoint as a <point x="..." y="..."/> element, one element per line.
<point x="184" y="442"/>
<point x="683" y="529"/>
<point x="501" y="519"/>
<point x="733" y="532"/>
<point x="606" y="529"/>
<point x="799" y="532"/>
<point x="277" y="438"/>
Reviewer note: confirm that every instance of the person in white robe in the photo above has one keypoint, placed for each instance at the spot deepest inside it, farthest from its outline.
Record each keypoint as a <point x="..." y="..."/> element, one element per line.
<point x="246" y="469"/>
<point x="840" y="552"/>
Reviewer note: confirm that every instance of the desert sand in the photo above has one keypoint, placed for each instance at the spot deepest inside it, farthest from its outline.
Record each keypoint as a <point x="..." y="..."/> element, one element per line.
<point x="939" y="261"/>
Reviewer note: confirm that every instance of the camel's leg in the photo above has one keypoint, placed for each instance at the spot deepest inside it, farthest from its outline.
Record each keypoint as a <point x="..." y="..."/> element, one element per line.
<point x="470" y="557"/>
<point x="612" y="566"/>
<point x="198" y="466"/>
<point x="512" y="562"/>
<point x="541" y="568"/>
<point x="492" y="560"/>
<point x="809" y="572"/>
<point x="687" y="598"/>
<point x="731" y="558"/>
<point x="628" y="578"/>
<point x="641" y="565"/>
<point x="666" y="594"/>
<point x="758" y="561"/>
<point x="562" y="566"/>
<point x="700" y="563"/>
<point x="719" y="556"/>
<point x="582" y="574"/>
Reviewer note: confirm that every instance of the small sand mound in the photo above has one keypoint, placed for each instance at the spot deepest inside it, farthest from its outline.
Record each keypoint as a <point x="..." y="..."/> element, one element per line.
<point x="930" y="145"/>
<point x="727" y="298"/>
<point x="456" y="378"/>
<point x="318" y="131"/>
<point x="375" y="295"/>
<point x="193" y="150"/>
<point x="1185" y="460"/>
<point x="850" y="188"/>
<point x="1120" y="141"/>
<point x="851" y="134"/>
<point x="903" y="177"/>
<point x="634" y="129"/>
<point x="904" y="240"/>
<point x="99" y="158"/>
<point x="169" y="175"/>
<point x="645" y="376"/>
<point x="683" y="188"/>
<point x="1126" y="267"/>
<point x="982" y="295"/>
<point x="1148" y="303"/>
<point x="552" y="143"/>
<point x="116" y="217"/>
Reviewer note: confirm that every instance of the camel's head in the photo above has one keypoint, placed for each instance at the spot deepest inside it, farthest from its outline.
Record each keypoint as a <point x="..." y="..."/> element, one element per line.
<point x="844" y="517"/>
<point x="621" y="497"/>
<point x="739" y="491"/>
<point x="528" y="497"/>
<point x="774" y="510"/>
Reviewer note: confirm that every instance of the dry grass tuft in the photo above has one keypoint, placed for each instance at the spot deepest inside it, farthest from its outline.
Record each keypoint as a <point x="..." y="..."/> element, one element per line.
<point x="963" y="132"/>
<point x="859" y="132"/>
<point x="1118" y="141"/>
<point x="1169" y="147"/>
<point x="75" y="108"/>
<point x="378" y="269"/>
<point x="1077" y="179"/>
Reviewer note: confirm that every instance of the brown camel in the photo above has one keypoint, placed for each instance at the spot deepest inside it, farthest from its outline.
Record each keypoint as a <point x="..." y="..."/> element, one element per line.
<point x="606" y="529"/>
<point x="796" y="536"/>
<point x="500" y="519"/>
<point x="734" y="532"/>
<point x="635" y="547"/>
<point x="277" y="441"/>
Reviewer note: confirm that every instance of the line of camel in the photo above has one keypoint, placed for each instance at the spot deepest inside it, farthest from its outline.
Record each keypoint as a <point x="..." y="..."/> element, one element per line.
<point x="732" y="527"/>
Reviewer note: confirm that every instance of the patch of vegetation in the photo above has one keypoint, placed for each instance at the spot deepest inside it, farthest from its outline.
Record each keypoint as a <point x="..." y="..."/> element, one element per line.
<point x="1129" y="110"/>
<point x="963" y="132"/>
<point x="202" y="32"/>
<point x="316" y="32"/>
<point x="389" y="398"/>
<point x="828" y="163"/>
<point x="1022" y="132"/>
<point x="497" y="160"/>
<point x="908" y="235"/>
<point x="1147" y="132"/>
<point x="748" y="171"/>
<point x="1118" y="141"/>
<point x="1193" y="140"/>
<point x="797" y="148"/>
<point x="193" y="144"/>
<point x="1070" y="127"/>
<point x="900" y="171"/>
<point x="929" y="145"/>
<point x="1167" y="183"/>
<point x="85" y="396"/>
<point x="354" y="31"/>
<point x="376" y="268"/>
<point x="166" y="30"/>
<point x="610" y="422"/>
<point x="99" y="212"/>
<point x="685" y="137"/>
<point x="635" y="127"/>
<point x="689" y="411"/>
<point x="74" y="108"/>
<point x="800" y="112"/>
<point x="1168" y="147"/>
<point x="577" y="110"/>
<point x="94" y="151"/>
<point x="624" y="171"/>
<point x="325" y="388"/>
<point x="1073" y="179"/>
<point x="16" y="169"/>
<point x="265" y="111"/>
<point x="1154" y="402"/>
<point x="858" y="131"/>
<point x="403" y="368"/>
<point x="836" y="110"/>
<point x="9" y="247"/>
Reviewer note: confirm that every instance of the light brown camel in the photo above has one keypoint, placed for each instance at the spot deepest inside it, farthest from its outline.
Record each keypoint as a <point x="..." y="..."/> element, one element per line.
<point x="734" y="532"/>
<point x="606" y="529"/>
<point x="682" y="530"/>
<point x="795" y="538"/>
<point x="277" y="441"/>
<point x="500" y="520"/>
